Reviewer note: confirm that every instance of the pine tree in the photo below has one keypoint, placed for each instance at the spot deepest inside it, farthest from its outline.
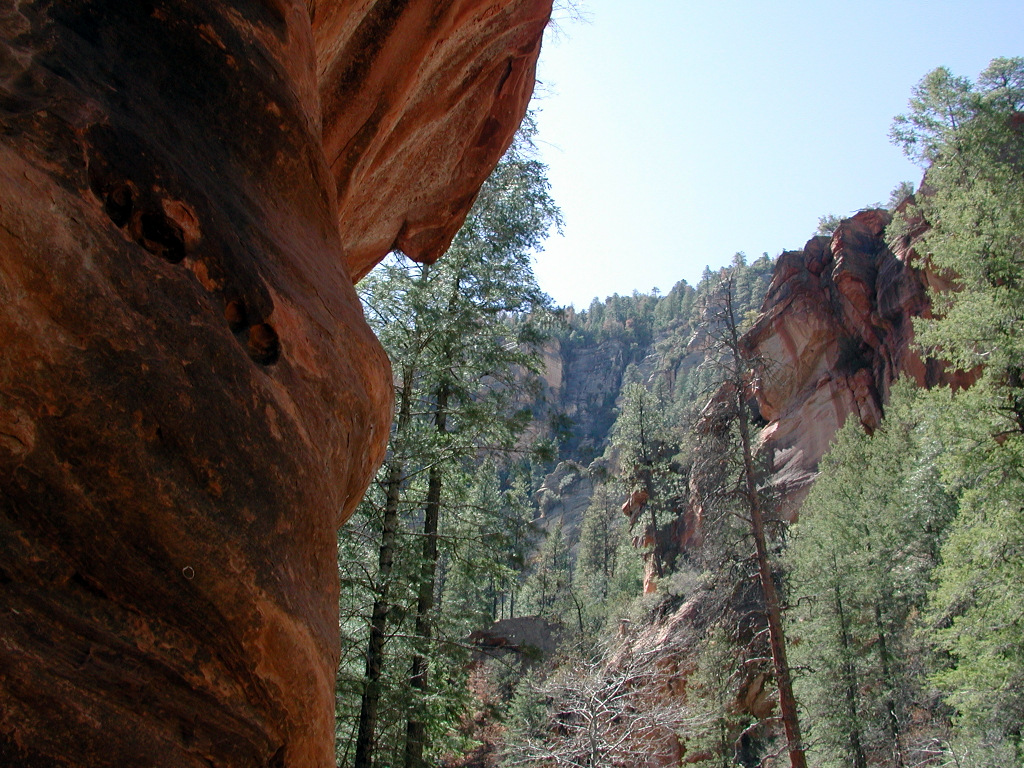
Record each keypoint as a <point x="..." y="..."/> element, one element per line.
<point x="600" y="535"/>
<point x="645" y="452"/>
<point x="730" y="409"/>
<point x="711" y="692"/>
<point x="548" y="589"/>
<point x="971" y="135"/>
<point x="862" y="555"/>
<point x="463" y="336"/>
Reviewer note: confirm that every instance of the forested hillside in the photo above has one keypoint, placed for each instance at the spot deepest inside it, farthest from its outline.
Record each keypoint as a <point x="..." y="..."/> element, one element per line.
<point x="908" y="567"/>
<point x="583" y="550"/>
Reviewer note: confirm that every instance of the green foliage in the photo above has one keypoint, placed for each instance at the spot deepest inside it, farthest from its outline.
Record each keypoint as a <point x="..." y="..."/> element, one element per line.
<point x="711" y="690"/>
<point x="908" y="562"/>
<point x="971" y="133"/>
<point x="901" y="192"/>
<point x="828" y="223"/>
<point x="607" y="576"/>
<point x="487" y="539"/>
<point x="904" y="577"/>
<point x="646" y="450"/>
<point x="626" y="330"/>
<point x="447" y="523"/>
<point x="548" y="589"/>
<point x="649" y="448"/>
<point x="860" y="558"/>
<point x="944" y="109"/>
<point x="972" y="136"/>
<point x="527" y="711"/>
<point x="974" y="614"/>
<point x="597" y="557"/>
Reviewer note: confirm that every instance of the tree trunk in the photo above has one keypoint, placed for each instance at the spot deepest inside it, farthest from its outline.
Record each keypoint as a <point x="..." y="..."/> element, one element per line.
<point x="659" y="571"/>
<point x="892" y="719"/>
<point x="381" y="607"/>
<point x="856" y="747"/>
<point x="415" y="728"/>
<point x="890" y="704"/>
<point x="648" y="481"/>
<point x="773" y="603"/>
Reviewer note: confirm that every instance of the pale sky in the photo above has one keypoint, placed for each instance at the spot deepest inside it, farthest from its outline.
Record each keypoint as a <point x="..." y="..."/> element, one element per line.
<point x="680" y="132"/>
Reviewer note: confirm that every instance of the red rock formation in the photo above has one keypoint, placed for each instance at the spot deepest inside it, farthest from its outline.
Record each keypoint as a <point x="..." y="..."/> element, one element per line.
<point x="190" y="399"/>
<point x="429" y="95"/>
<point x="834" y="333"/>
<point x="634" y="505"/>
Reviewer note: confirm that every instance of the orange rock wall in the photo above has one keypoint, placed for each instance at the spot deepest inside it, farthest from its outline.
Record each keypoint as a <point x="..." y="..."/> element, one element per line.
<point x="190" y="398"/>
<point x="430" y="94"/>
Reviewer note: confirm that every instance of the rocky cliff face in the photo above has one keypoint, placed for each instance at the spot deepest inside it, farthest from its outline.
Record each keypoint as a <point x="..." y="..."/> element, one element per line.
<point x="190" y="399"/>
<point x="563" y="497"/>
<point x="581" y="384"/>
<point x="835" y="332"/>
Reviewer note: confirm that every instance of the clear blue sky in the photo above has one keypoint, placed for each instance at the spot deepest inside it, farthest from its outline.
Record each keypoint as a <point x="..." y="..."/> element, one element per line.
<point x="679" y="132"/>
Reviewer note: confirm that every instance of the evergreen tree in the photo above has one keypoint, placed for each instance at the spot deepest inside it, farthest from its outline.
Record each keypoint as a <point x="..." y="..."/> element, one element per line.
<point x="600" y="535"/>
<point x="868" y="540"/>
<point x="486" y="542"/>
<point x="607" y="576"/>
<point x="646" y="450"/>
<point x="711" y="692"/>
<point x="463" y="336"/>
<point x="729" y="412"/>
<point x="548" y="589"/>
<point x="971" y="136"/>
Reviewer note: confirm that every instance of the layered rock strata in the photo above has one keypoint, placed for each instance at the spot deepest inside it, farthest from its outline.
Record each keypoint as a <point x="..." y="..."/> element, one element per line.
<point x="190" y="398"/>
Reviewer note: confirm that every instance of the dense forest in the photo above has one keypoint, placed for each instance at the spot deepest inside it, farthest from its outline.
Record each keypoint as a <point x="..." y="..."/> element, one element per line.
<point x="574" y="554"/>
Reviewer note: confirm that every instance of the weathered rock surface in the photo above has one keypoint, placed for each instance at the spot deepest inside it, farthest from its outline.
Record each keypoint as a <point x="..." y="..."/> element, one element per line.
<point x="835" y="332"/>
<point x="190" y="399"/>
<point x="563" y="498"/>
<point x="419" y="100"/>
<point x="581" y="384"/>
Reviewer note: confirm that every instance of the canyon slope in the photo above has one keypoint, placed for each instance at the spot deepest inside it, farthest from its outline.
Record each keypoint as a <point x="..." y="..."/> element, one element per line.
<point x="834" y="332"/>
<point x="831" y="330"/>
<point x="190" y="399"/>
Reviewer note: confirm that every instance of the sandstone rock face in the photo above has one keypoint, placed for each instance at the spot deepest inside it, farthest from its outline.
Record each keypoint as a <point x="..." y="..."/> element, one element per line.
<point x="834" y="333"/>
<point x="419" y="103"/>
<point x="190" y="399"/>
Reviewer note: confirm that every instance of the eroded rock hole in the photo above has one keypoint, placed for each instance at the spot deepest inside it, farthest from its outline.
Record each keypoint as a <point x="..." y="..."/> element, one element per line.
<point x="236" y="315"/>
<point x="264" y="345"/>
<point x="119" y="204"/>
<point x="161" y="237"/>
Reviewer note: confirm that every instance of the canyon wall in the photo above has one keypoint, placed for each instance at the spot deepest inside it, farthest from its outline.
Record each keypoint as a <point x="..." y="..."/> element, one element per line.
<point x="190" y="398"/>
<point x="834" y="333"/>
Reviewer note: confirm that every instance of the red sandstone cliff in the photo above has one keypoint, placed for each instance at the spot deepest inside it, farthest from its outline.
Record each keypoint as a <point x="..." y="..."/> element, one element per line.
<point x="835" y="332"/>
<point x="190" y="399"/>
